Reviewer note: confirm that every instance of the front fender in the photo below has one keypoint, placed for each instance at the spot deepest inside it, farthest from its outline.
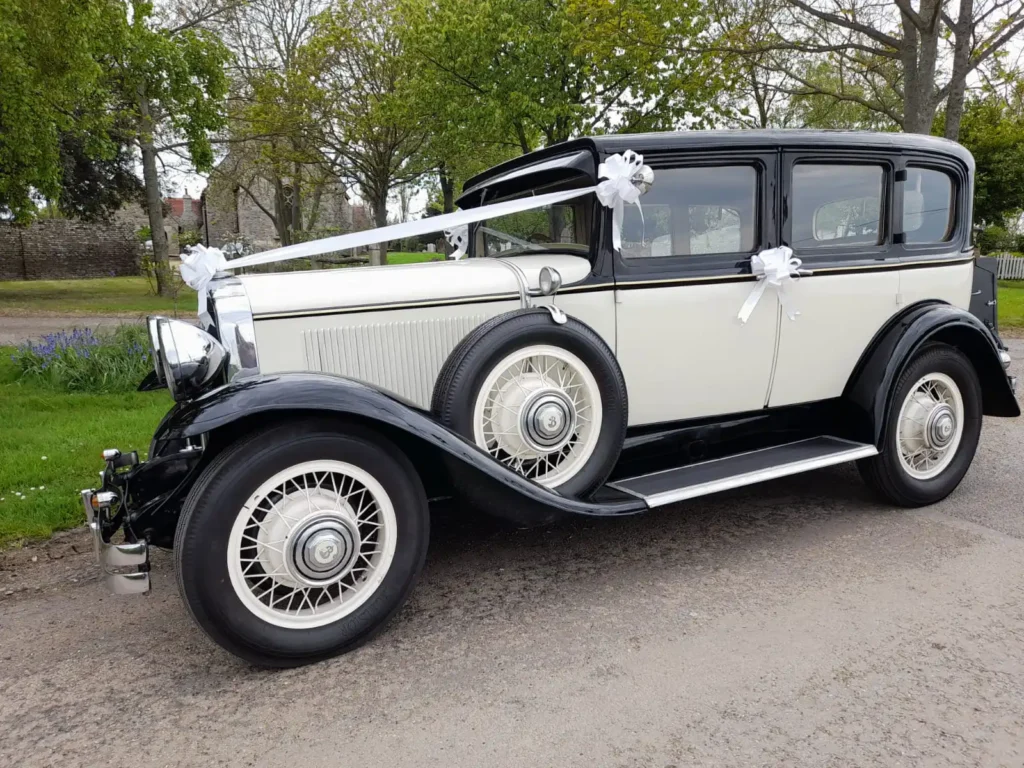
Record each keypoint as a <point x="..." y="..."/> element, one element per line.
<point x="871" y="385"/>
<point x="303" y="394"/>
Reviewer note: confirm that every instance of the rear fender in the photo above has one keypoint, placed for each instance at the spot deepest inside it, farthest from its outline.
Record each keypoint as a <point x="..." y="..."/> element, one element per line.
<point x="869" y="390"/>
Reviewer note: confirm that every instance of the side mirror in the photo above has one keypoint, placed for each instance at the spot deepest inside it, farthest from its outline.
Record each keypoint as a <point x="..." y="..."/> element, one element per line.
<point x="550" y="281"/>
<point x="643" y="179"/>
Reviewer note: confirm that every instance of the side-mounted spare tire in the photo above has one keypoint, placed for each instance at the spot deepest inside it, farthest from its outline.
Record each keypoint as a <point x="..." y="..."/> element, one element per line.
<point x="548" y="400"/>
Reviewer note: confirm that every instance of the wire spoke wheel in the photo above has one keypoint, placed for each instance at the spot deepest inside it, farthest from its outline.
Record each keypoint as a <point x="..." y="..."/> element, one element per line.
<point x="539" y="412"/>
<point x="930" y="426"/>
<point x="312" y="544"/>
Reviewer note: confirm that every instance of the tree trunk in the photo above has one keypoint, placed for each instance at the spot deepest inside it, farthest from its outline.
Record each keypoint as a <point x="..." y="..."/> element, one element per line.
<point x="379" y="256"/>
<point x="297" y="199"/>
<point x="958" y="78"/>
<point x="920" y="58"/>
<point x="447" y="189"/>
<point x="282" y="217"/>
<point x="154" y="202"/>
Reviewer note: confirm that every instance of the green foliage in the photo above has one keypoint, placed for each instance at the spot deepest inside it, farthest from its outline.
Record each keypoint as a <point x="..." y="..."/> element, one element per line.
<point x="995" y="239"/>
<point x="83" y="361"/>
<point x="189" y="238"/>
<point x="49" y="448"/>
<point x="52" y="83"/>
<point x="993" y="130"/>
<point x="507" y="76"/>
<point x="180" y="73"/>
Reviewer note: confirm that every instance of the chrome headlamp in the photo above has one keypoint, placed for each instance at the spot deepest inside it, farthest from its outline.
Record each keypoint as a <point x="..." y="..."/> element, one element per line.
<point x="187" y="359"/>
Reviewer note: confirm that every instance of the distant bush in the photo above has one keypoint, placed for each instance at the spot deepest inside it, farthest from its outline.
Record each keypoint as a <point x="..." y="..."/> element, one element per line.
<point x="189" y="237"/>
<point x="84" y="361"/>
<point x="994" y="239"/>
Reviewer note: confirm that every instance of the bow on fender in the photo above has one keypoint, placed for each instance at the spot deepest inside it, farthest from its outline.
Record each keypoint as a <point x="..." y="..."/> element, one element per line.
<point x="458" y="238"/>
<point x="619" y="187"/>
<point x="777" y="267"/>
<point x="198" y="267"/>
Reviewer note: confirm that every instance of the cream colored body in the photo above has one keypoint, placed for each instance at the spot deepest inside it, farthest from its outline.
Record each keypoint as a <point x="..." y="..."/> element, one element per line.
<point x="683" y="352"/>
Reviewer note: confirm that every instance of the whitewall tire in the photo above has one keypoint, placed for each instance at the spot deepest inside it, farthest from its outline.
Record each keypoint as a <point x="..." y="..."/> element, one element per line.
<point x="299" y="542"/>
<point x="932" y="429"/>
<point x="546" y="400"/>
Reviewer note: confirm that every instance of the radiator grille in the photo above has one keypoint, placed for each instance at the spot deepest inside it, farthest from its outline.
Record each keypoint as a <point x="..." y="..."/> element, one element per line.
<point x="403" y="357"/>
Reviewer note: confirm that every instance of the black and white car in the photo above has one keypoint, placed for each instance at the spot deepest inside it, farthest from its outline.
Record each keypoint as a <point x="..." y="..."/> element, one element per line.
<point x="776" y="302"/>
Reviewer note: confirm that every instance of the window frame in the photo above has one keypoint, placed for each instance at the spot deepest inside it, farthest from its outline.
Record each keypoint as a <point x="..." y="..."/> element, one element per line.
<point x="715" y="264"/>
<point x="958" y="180"/>
<point x="821" y="255"/>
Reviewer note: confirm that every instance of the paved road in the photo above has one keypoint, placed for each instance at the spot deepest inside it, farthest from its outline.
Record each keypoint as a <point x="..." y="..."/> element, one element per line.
<point x="797" y="623"/>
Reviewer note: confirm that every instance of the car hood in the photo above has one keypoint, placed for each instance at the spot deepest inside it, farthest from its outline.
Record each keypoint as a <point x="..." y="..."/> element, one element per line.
<point x="324" y="290"/>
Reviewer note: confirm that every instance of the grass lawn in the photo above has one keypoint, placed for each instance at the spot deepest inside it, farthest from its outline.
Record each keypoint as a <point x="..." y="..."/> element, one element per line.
<point x="1011" y="305"/>
<point x="98" y="296"/>
<point x="128" y="296"/>
<point x="70" y="430"/>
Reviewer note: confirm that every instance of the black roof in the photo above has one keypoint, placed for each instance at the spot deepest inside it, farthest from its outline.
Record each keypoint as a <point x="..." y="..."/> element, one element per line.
<point x="768" y="139"/>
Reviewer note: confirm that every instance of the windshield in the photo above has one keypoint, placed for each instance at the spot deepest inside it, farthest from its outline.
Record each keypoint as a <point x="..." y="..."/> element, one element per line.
<point x="561" y="227"/>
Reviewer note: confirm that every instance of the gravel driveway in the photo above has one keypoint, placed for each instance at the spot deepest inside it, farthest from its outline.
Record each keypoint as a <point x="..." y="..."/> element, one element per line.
<point x="798" y="622"/>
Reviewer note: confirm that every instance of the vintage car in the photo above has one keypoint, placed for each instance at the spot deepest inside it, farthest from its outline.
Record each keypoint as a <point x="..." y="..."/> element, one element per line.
<point x="776" y="302"/>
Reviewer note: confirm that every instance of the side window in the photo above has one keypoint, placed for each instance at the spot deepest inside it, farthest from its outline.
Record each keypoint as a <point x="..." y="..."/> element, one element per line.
<point x="837" y="205"/>
<point x="927" y="206"/>
<point x="694" y="211"/>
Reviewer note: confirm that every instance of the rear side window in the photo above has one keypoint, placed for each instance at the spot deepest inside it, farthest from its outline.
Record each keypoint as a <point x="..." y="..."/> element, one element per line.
<point x="927" y="206"/>
<point x="693" y="212"/>
<point x="836" y="205"/>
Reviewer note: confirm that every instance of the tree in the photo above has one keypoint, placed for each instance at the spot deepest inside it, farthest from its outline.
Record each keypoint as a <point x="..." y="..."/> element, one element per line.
<point x="93" y="188"/>
<point x="52" y="93"/>
<point x="269" y="127"/>
<point x="362" y="77"/>
<point x="993" y="130"/>
<point x="550" y="71"/>
<point x="170" y="79"/>
<point x="897" y="59"/>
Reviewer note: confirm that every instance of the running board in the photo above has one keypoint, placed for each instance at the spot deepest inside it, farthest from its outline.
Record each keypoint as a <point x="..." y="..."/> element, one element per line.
<point x="672" y="485"/>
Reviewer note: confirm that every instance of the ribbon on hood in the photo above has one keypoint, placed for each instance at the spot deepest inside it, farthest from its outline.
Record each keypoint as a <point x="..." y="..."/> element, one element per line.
<point x="615" y="190"/>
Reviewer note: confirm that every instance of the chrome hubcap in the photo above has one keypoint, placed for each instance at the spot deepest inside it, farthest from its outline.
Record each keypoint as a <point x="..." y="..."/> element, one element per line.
<point x="547" y="420"/>
<point x="324" y="550"/>
<point x="941" y="426"/>
<point x="539" y="413"/>
<point x="930" y="426"/>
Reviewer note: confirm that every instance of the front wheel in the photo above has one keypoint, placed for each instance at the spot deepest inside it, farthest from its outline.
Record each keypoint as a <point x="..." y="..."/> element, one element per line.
<point x="931" y="432"/>
<point x="299" y="543"/>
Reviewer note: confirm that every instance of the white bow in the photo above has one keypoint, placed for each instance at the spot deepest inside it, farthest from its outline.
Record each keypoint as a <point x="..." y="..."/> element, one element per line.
<point x="198" y="267"/>
<point x="777" y="267"/>
<point x="619" y="189"/>
<point x="458" y="237"/>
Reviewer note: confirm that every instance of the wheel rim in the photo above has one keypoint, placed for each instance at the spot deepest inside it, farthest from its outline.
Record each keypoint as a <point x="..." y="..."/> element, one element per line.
<point x="539" y="413"/>
<point x="931" y="424"/>
<point x="312" y="544"/>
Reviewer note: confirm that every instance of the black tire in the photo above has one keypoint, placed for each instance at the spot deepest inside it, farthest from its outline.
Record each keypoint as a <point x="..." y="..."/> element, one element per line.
<point x="209" y="512"/>
<point x="476" y="355"/>
<point x="885" y="472"/>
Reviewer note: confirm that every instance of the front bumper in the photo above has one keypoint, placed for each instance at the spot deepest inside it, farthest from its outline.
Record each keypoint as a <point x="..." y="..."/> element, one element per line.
<point x="124" y="567"/>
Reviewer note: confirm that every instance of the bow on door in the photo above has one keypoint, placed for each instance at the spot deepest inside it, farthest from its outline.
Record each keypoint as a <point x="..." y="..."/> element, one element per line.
<point x="777" y="267"/>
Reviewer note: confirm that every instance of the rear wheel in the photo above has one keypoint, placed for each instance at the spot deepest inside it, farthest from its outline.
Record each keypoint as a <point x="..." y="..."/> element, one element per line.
<point x="932" y="431"/>
<point x="299" y="543"/>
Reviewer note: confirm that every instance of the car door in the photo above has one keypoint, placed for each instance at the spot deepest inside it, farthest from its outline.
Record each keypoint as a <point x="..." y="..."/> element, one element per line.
<point x="681" y="277"/>
<point x="837" y="219"/>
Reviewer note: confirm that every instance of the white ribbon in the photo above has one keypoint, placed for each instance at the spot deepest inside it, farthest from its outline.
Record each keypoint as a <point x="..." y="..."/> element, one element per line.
<point x="619" y="189"/>
<point x="198" y="266"/>
<point x="458" y="237"/>
<point x="777" y="267"/>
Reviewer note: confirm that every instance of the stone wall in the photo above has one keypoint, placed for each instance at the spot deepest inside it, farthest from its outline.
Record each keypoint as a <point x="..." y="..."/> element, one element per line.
<point x="55" y="249"/>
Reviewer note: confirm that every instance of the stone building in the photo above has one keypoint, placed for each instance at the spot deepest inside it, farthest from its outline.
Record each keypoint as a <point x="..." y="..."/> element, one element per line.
<point x="244" y="212"/>
<point x="181" y="215"/>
